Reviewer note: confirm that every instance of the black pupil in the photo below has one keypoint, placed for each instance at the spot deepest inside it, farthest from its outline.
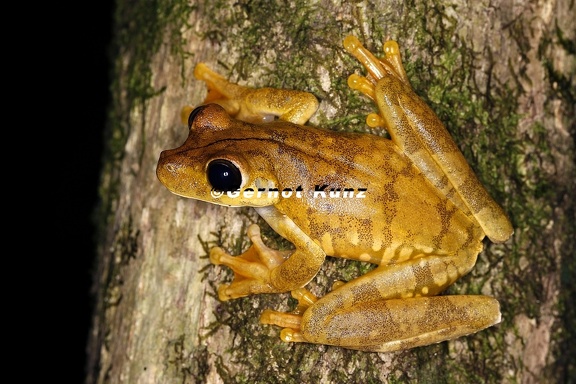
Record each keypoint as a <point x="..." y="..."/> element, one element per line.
<point x="224" y="176"/>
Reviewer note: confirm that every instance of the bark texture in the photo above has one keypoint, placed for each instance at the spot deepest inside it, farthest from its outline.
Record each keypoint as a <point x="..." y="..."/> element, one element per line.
<point x="500" y="74"/>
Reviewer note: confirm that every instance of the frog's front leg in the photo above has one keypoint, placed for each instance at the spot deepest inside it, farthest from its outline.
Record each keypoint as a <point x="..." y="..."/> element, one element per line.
<point x="255" y="105"/>
<point x="391" y="308"/>
<point x="264" y="270"/>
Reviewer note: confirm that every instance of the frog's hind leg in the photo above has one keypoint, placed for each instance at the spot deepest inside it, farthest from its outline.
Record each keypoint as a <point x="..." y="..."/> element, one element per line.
<point x="420" y="134"/>
<point x="343" y="318"/>
<point x="392" y="307"/>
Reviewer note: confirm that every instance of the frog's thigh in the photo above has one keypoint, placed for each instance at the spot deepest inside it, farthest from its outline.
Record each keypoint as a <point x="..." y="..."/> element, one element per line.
<point x="382" y="310"/>
<point x="390" y="325"/>
<point x="416" y="129"/>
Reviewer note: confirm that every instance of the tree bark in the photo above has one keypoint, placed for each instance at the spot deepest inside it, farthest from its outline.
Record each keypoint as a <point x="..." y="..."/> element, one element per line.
<point x="500" y="74"/>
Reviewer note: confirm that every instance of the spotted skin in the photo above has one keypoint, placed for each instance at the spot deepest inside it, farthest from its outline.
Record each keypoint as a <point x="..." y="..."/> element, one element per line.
<point x="413" y="207"/>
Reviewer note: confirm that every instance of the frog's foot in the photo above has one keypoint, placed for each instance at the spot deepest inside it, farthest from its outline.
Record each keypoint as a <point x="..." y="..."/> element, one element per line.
<point x="251" y="269"/>
<point x="378" y="68"/>
<point x="391" y="65"/>
<point x="290" y="321"/>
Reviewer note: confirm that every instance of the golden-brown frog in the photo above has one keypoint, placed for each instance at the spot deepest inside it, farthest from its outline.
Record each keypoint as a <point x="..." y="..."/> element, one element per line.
<point x="410" y="204"/>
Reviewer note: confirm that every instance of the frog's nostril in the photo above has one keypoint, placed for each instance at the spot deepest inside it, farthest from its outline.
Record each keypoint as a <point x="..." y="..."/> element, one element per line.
<point x="171" y="167"/>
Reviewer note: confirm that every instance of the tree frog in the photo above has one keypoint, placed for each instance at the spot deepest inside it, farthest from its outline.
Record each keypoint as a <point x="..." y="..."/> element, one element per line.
<point x="410" y="204"/>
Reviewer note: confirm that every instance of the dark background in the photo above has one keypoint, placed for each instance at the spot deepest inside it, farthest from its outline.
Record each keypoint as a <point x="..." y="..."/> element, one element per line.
<point x="85" y="66"/>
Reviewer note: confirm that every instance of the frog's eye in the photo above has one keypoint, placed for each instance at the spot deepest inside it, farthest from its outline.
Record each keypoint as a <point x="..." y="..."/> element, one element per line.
<point x="193" y="114"/>
<point x="223" y="175"/>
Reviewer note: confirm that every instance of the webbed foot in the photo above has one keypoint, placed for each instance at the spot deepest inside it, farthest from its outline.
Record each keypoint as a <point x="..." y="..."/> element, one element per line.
<point x="377" y="69"/>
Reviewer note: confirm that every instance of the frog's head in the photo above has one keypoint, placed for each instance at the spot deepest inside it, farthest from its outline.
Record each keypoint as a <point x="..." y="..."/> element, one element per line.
<point x="221" y="161"/>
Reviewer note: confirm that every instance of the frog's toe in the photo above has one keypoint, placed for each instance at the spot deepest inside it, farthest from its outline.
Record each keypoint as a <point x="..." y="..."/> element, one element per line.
<point x="290" y="321"/>
<point x="245" y="266"/>
<point x="223" y="292"/>
<point x="362" y="84"/>
<point x="217" y="256"/>
<point x="289" y="335"/>
<point x="281" y="319"/>
<point x="241" y="288"/>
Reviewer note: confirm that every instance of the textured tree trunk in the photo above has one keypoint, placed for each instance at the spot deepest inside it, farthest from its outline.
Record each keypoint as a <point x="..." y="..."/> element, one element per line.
<point x="500" y="74"/>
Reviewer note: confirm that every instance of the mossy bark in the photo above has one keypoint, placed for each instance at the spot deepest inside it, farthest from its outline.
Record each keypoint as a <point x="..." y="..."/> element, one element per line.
<point x="500" y="74"/>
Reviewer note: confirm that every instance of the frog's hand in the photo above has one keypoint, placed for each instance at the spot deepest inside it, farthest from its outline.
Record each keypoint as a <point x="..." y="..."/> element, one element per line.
<point x="418" y="132"/>
<point x="376" y="313"/>
<point x="251" y="269"/>
<point x="265" y="270"/>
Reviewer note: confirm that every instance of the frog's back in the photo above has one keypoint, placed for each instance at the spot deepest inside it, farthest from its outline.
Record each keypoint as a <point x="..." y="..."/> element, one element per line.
<point x="385" y="209"/>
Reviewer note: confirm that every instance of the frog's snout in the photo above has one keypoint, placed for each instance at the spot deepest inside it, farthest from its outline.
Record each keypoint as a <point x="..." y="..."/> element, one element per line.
<point x="165" y="169"/>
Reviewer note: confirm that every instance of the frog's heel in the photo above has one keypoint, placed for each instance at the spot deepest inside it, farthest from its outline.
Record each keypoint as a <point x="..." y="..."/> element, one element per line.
<point x="420" y="134"/>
